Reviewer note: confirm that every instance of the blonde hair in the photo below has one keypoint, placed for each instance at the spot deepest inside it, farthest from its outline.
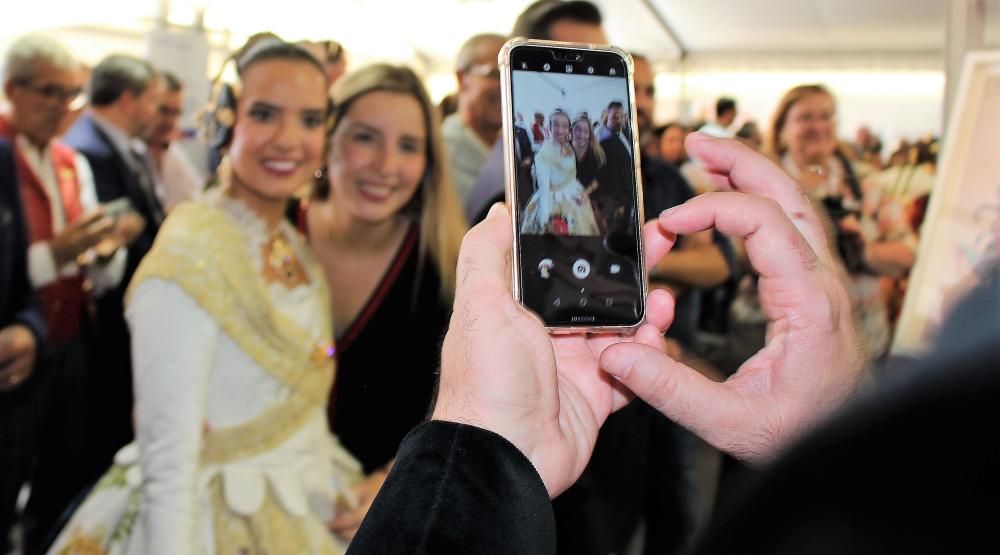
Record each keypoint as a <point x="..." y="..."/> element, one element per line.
<point x="434" y="207"/>
<point x="595" y="145"/>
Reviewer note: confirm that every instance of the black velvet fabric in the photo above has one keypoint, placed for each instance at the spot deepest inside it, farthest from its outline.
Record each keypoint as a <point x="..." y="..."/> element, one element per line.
<point x="458" y="489"/>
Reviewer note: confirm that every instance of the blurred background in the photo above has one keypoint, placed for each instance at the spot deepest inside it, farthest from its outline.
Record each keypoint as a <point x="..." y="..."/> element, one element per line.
<point x="886" y="61"/>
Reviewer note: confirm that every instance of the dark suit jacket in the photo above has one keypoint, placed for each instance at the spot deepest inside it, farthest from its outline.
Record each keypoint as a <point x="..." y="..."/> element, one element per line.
<point x="110" y="384"/>
<point x="910" y="467"/>
<point x="114" y="179"/>
<point x="525" y="183"/>
<point x="18" y="303"/>
<point x="616" y="184"/>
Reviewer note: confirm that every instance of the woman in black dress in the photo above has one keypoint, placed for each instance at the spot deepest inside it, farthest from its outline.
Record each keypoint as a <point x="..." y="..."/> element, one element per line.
<point x="589" y="160"/>
<point x="385" y="224"/>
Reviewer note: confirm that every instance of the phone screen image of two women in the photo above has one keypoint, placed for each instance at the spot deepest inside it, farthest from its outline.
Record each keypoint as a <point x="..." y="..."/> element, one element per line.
<point x="576" y="202"/>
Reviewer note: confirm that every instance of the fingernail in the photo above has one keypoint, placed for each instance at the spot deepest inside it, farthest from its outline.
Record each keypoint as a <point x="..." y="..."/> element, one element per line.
<point x="496" y="210"/>
<point x="669" y="211"/>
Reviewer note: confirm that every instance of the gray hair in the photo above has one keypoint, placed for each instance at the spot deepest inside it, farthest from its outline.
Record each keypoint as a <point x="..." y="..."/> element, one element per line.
<point x="26" y="53"/>
<point x="117" y="74"/>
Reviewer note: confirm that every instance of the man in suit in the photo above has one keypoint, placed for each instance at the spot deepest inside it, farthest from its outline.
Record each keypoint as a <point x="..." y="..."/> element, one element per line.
<point x="616" y="178"/>
<point x="908" y="467"/>
<point x="568" y="21"/>
<point x="177" y="179"/>
<point x="22" y="331"/>
<point x="525" y="157"/>
<point x="124" y="97"/>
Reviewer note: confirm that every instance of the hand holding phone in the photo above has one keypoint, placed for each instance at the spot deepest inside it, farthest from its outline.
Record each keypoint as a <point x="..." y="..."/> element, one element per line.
<point x="117" y="207"/>
<point x="578" y="259"/>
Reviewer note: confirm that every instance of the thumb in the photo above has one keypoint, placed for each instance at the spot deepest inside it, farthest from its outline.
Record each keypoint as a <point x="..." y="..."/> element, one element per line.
<point x="676" y="390"/>
<point x="484" y="254"/>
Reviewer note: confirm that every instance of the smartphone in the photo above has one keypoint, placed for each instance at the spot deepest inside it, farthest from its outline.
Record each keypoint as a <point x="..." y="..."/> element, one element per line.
<point x="573" y="184"/>
<point x="117" y="207"/>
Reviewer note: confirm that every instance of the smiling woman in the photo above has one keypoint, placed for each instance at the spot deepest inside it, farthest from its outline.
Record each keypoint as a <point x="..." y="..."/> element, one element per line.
<point x="232" y="352"/>
<point x="386" y="226"/>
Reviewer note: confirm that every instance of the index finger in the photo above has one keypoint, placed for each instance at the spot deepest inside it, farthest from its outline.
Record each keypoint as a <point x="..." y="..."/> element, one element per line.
<point x="90" y="217"/>
<point x="775" y="247"/>
<point x="734" y="166"/>
<point x="657" y="242"/>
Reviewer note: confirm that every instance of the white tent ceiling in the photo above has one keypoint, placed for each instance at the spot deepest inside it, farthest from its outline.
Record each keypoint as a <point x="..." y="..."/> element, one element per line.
<point x="885" y="59"/>
<point x="762" y="34"/>
<point x="729" y="34"/>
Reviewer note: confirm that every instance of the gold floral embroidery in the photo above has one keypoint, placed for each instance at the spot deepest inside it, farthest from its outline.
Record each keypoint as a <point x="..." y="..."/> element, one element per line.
<point x="269" y="531"/>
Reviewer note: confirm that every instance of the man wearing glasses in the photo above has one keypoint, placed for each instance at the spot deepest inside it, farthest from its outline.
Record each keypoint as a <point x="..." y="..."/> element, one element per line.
<point x="475" y="127"/>
<point x="72" y="254"/>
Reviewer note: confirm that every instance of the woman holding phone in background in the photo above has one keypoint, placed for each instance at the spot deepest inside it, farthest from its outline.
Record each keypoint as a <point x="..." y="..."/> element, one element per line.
<point x="386" y="226"/>
<point x="230" y="322"/>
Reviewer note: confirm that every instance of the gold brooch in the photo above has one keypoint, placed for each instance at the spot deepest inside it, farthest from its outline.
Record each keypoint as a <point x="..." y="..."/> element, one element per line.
<point x="281" y="264"/>
<point x="323" y="353"/>
<point x="281" y="257"/>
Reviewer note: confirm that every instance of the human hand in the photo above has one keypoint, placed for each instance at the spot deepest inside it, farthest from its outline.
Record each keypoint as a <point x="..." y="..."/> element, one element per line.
<point x="502" y="371"/>
<point x="127" y="228"/>
<point x="346" y="524"/>
<point x="17" y="355"/>
<point x="811" y="361"/>
<point x="76" y="238"/>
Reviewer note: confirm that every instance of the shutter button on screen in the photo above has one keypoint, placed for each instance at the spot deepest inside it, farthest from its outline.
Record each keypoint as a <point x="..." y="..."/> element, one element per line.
<point x="581" y="269"/>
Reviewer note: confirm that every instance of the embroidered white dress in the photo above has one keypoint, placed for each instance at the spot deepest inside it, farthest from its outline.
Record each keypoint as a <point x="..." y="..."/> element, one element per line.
<point x="558" y="205"/>
<point x="232" y="454"/>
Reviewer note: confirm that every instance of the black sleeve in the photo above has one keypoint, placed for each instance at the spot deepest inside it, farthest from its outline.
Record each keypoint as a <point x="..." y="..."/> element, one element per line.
<point x="20" y="304"/>
<point x="458" y="489"/>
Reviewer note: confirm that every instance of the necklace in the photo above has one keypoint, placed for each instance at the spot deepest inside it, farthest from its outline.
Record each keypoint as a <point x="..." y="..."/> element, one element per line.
<point x="824" y="188"/>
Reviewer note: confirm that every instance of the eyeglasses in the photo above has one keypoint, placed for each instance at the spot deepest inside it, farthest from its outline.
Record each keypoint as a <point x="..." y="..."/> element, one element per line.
<point x="484" y="70"/>
<point x="52" y="91"/>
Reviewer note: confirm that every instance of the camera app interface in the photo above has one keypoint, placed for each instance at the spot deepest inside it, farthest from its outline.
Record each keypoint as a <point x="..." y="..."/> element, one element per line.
<point x="575" y="187"/>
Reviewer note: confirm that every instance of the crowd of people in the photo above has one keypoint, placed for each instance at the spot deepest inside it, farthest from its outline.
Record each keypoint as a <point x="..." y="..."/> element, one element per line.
<point x="207" y="360"/>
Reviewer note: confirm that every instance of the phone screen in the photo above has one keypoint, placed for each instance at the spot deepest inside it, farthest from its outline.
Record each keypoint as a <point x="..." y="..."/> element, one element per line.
<point x="575" y="193"/>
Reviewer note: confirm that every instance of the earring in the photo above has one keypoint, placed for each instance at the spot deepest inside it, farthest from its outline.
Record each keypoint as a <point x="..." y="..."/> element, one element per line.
<point x="318" y="174"/>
